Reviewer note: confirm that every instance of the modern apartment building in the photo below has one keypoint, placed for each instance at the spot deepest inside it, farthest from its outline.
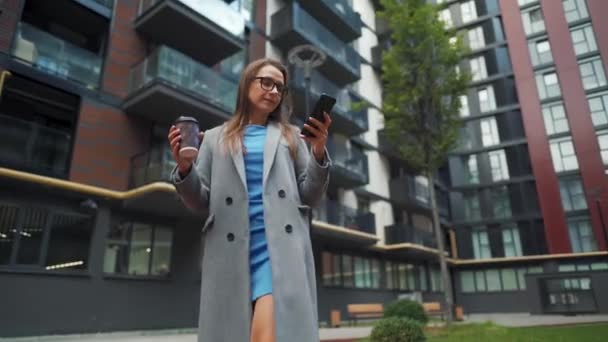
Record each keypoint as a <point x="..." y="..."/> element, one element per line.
<point x="92" y="238"/>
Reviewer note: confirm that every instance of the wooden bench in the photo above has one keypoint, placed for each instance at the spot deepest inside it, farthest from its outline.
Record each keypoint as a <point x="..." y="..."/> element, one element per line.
<point x="434" y="309"/>
<point x="356" y="311"/>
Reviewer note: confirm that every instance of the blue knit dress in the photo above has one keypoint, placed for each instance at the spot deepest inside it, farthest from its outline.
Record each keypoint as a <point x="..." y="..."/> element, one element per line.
<point x="259" y="260"/>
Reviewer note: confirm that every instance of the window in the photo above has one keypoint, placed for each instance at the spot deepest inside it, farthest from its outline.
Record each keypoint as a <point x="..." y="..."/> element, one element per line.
<point x="331" y="269"/>
<point x="481" y="245"/>
<point x="540" y="52"/>
<point x="581" y="235"/>
<point x="493" y="280"/>
<point x="446" y="16"/>
<point x="464" y="106"/>
<point x="138" y="249"/>
<point x="563" y="155"/>
<point x="468" y="11"/>
<point x="583" y="39"/>
<point x="423" y="279"/>
<point x="548" y="85"/>
<point x="575" y="10"/>
<point x="592" y="73"/>
<point x="422" y="189"/>
<point x="602" y="139"/>
<point x="347" y="271"/>
<point x="44" y="238"/>
<point x="476" y="38"/>
<point x="533" y="20"/>
<point x="487" y="101"/>
<point x="489" y="132"/>
<point x="509" y="279"/>
<point x="506" y="279"/>
<point x="478" y="68"/>
<point x="498" y="165"/>
<point x="467" y="281"/>
<point x="511" y="241"/>
<point x="572" y="194"/>
<point x="436" y="281"/>
<point x="525" y="2"/>
<point x="472" y="171"/>
<point x="598" y="103"/>
<point x="501" y="202"/>
<point x="471" y="207"/>
<point x="555" y="119"/>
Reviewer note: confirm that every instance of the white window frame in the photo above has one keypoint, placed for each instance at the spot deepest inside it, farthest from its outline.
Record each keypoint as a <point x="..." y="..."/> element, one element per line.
<point x="498" y="165"/>
<point x="575" y="10"/>
<point x="597" y="77"/>
<point x="531" y="27"/>
<point x="598" y="105"/>
<point x="582" y="239"/>
<point x="468" y="11"/>
<point x="538" y="56"/>
<point x="511" y="241"/>
<point x="489" y="132"/>
<point x="476" y="38"/>
<point x="501" y="202"/>
<point x="583" y="39"/>
<point x="472" y="170"/>
<point x="481" y="244"/>
<point x="445" y="15"/>
<point x="489" y="103"/>
<point x="479" y="71"/>
<point x="554" y="116"/>
<point x="547" y="83"/>
<point x="464" y="106"/>
<point x="560" y="151"/>
<point x="572" y="194"/>
<point x="602" y="141"/>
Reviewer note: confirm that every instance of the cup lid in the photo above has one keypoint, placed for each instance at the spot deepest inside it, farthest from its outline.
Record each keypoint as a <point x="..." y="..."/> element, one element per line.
<point x="186" y="118"/>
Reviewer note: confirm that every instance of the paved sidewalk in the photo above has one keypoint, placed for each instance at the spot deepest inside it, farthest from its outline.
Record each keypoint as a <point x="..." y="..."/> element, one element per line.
<point x="527" y="320"/>
<point x="346" y="334"/>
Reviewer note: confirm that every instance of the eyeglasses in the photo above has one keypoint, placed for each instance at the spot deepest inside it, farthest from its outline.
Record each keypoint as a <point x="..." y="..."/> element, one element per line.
<point x="269" y="84"/>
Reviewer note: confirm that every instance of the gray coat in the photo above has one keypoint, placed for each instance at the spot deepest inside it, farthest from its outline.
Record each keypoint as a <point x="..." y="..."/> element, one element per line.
<point x="291" y="187"/>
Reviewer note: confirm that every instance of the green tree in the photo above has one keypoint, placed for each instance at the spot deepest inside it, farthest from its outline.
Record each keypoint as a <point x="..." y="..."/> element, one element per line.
<point x="421" y="95"/>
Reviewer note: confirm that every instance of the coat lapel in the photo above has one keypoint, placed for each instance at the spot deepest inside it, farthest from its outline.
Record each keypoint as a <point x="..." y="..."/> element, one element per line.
<point x="239" y="163"/>
<point x="273" y="135"/>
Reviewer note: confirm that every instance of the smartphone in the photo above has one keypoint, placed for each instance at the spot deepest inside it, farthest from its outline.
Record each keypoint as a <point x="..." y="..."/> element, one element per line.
<point x="324" y="104"/>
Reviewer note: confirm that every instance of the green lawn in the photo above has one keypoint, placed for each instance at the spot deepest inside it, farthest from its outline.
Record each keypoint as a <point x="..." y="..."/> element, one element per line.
<point x="493" y="333"/>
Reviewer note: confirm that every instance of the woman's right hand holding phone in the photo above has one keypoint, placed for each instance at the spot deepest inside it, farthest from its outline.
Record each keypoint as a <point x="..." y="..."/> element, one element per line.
<point x="183" y="164"/>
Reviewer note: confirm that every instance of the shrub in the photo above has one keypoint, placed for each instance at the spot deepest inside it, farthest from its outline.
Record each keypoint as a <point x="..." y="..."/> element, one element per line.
<point x="397" y="329"/>
<point x="407" y="309"/>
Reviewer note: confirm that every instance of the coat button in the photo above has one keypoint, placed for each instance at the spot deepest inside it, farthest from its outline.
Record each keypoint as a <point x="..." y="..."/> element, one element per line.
<point x="288" y="228"/>
<point x="230" y="237"/>
<point x="229" y="200"/>
<point x="282" y="193"/>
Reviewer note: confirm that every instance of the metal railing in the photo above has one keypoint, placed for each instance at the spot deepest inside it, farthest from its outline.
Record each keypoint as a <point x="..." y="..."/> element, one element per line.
<point x="340" y="215"/>
<point x="345" y="11"/>
<point x="401" y="233"/>
<point x="216" y="11"/>
<point x="56" y="56"/>
<point x="184" y="73"/>
<point x="350" y="159"/>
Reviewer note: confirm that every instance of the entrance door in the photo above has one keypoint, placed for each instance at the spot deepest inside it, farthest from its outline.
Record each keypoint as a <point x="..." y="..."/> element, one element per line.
<point x="568" y="295"/>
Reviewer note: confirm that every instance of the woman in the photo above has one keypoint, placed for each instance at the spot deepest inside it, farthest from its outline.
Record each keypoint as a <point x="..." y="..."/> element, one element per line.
<point x="258" y="180"/>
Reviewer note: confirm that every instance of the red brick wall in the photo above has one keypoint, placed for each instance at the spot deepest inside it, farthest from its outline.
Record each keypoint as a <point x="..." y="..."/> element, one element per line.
<point x="106" y="139"/>
<point x="257" y="42"/>
<point x="11" y="12"/>
<point x="126" y="48"/>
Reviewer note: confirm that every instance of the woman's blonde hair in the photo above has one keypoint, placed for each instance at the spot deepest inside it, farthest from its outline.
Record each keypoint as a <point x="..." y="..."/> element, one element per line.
<point x="233" y="135"/>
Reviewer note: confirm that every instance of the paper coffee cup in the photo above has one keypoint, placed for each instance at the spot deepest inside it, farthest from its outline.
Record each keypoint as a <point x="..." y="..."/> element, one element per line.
<point x="189" y="130"/>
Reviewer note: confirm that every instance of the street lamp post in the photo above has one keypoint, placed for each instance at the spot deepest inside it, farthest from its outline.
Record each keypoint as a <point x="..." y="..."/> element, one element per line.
<point x="306" y="57"/>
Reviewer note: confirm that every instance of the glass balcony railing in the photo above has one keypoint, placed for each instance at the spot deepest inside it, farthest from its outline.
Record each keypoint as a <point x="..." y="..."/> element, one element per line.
<point x="339" y="215"/>
<point x="178" y="70"/>
<point x="346" y="12"/>
<point x="32" y="147"/>
<point x="106" y="3"/>
<point x="344" y="99"/>
<point x="401" y="233"/>
<point x="216" y="11"/>
<point x="56" y="56"/>
<point x="351" y="163"/>
<point x="152" y="166"/>
<point x="323" y="38"/>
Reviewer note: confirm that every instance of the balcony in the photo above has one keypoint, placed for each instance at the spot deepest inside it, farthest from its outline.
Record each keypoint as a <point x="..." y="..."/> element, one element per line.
<point x="56" y="56"/>
<point x="337" y="15"/>
<point x="152" y="166"/>
<point x="345" y="119"/>
<point x="168" y="84"/>
<point x="207" y="31"/>
<point x="32" y="147"/>
<point x="349" y="169"/>
<point x="344" y="224"/>
<point x="401" y="233"/>
<point x="386" y="146"/>
<point x="406" y="192"/>
<point x="292" y="26"/>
